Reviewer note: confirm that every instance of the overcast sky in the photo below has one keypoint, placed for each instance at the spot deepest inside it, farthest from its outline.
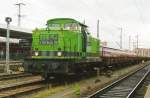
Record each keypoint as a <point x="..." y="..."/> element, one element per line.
<point x="131" y="15"/>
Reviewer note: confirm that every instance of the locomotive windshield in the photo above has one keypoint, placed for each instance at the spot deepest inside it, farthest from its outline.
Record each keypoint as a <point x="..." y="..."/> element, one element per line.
<point x="54" y="26"/>
<point x="70" y="26"/>
<point x="67" y="26"/>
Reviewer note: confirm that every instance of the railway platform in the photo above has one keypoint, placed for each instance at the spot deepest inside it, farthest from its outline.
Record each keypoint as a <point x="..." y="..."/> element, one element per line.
<point x="6" y="74"/>
<point x="147" y="95"/>
<point x="15" y="65"/>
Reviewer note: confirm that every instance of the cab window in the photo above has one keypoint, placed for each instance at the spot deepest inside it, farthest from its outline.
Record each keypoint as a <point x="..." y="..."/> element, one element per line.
<point x="70" y="26"/>
<point x="54" y="26"/>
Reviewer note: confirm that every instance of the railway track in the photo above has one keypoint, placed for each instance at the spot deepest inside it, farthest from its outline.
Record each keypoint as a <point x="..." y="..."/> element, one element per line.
<point x="2" y="63"/>
<point x="13" y="76"/>
<point x="141" y="91"/>
<point x="18" y="83"/>
<point x="12" y="90"/>
<point x="124" y="87"/>
<point x="25" y="87"/>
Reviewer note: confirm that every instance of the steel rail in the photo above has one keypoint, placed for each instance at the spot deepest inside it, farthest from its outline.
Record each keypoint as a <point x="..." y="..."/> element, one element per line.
<point x="13" y="76"/>
<point x="134" y="89"/>
<point x="20" y="88"/>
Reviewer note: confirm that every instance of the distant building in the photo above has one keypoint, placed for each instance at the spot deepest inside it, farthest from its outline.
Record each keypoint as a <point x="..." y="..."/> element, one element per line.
<point x="143" y="52"/>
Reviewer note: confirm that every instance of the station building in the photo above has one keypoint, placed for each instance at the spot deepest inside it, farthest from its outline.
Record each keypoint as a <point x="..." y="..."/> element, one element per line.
<point x="17" y="50"/>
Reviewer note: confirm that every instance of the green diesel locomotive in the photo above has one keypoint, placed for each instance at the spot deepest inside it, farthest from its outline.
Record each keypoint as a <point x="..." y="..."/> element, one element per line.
<point x="64" y="47"/>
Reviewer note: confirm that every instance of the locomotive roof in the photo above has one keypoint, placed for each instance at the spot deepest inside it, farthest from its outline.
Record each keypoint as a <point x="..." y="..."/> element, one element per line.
<point x="65" y="20"/>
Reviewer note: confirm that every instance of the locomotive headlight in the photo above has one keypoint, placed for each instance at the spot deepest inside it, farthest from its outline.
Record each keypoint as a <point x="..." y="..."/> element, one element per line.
<point x="59" y="53"/>
<point x="36" y="53"/>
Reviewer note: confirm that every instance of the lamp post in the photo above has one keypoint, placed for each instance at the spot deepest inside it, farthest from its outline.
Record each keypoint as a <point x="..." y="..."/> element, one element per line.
<point x="97" y="71"/>
<point x="8" y="20"/>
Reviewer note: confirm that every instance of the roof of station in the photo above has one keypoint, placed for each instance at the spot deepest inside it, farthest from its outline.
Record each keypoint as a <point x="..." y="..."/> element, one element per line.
<point x="15" y="32"/>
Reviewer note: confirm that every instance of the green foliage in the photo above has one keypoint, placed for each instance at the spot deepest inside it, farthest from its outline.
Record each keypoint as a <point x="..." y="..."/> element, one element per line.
<point x="77" y="89"/>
